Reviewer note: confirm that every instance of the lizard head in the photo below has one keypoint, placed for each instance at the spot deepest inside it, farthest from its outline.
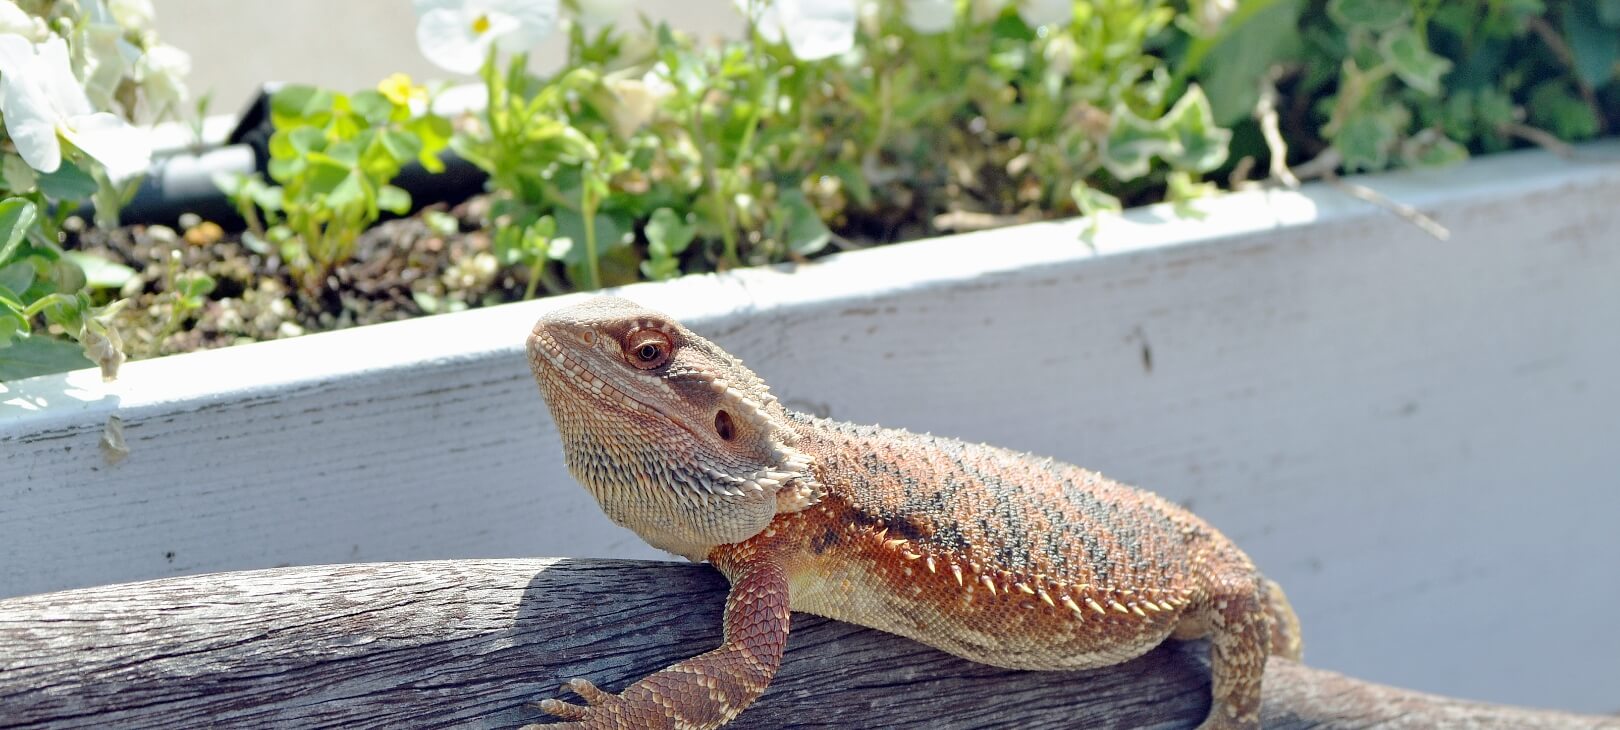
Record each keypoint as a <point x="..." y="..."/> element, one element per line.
<point x="675" y="438"/>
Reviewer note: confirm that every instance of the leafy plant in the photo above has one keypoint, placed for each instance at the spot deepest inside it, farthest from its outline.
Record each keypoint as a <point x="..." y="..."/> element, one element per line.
<point x="74" y="79"/>
<point x="1370" y="84"/>
<point x="332" y="158"/>
<point x="556" y="174"/>
<point x="913" y="119"/>
<point x="39" y="282"/>
<point x="189" y="292"/>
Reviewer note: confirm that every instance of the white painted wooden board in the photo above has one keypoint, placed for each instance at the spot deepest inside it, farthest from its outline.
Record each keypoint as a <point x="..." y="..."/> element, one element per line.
<point x="1419" y="439"/>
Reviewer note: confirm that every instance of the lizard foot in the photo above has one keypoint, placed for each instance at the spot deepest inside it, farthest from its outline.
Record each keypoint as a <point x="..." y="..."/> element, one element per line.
<point x="582" y="716"/>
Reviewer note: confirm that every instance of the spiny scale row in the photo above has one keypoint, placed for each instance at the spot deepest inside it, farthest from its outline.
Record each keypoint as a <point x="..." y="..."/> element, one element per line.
<point x="1123" y="601"/>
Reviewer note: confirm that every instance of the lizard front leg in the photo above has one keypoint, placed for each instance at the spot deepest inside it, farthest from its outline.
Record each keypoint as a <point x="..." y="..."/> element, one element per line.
<point x="708" y="690"/>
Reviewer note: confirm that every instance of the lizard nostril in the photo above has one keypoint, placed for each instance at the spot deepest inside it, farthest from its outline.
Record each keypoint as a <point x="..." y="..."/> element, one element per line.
<point x="588" y="337"/>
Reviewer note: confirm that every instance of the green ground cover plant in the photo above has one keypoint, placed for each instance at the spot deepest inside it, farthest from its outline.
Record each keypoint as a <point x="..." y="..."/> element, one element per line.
<point x="926" y="117"/>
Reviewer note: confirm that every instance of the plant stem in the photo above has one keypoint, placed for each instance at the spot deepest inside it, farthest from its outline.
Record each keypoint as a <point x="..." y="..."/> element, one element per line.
<point x="534" y="278"/>
<point x="250" y="213"/>
<point x="727" y="234"/>
<point x="587" y="205"/>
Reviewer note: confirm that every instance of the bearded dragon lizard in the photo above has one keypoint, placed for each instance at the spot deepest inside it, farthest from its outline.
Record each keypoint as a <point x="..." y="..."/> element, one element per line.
<point x="992" y="555"/>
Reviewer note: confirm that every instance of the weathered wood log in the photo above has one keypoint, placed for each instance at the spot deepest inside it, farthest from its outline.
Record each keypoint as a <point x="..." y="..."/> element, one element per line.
<point x="469" y="643"/>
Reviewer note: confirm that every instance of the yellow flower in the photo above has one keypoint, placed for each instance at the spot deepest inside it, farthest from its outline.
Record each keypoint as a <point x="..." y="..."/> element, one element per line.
<point x="399" y="89"/>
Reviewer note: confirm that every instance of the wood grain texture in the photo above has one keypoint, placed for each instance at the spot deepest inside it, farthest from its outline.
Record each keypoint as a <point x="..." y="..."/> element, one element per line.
<point x="468" y="643"/>
<point x="1408" y="434"/>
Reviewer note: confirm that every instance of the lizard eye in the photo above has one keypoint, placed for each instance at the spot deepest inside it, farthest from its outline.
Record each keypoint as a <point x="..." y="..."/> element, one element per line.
<point x="647" y="349"/>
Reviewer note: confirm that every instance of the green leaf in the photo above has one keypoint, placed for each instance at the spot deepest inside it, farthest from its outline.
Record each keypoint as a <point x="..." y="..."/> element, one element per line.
<point x="1364" y="140"/>
<point x="350" y="191"/>
<point x="1555" y="108"/>
<point x="67" y="183"/>
<point x="668" y="234"/>
<point x="394" y="200"/>
<point x="232" y="184"/>
<point x="1494" y="108"/>
<point x="506" y="243"/>
<point x="441" y="223"/>
<point x="661" y="269"/>
<point x="434" y="132"/>
<point x="1199" y="145"/>
<point x="1430" y="148"/>
<point x="1412" y="61"/>
<point x="1092" y="201"/>
<point x="16" y="217"/>
<point x="16" y="174"/>
<point x="806" y="233"/>
<point x="300" y="104"/>
<point x="617" y="267"/>
<point x="571" y="227"/>
<point x="1233" y="68"/>
<point x="16" y="278"/>
<point x="68" y="277"/>
<point x="1595" y="47"/>
<point x="543" y="228"/>
<point x="345" y="152"/>
<point x="428" y="302"/>
<point x="99" y="272"/>
<point x="401" y="146"/>
<point x="531" y="244"/>
<point x="267" y="197"/>
<point x="288" y="144"/>
<point x="1132" y="143"/>
<point x="371" y="105"/>
<point x="854" y="182"/>
<point x="280" y="145"/>
<point x="1368" y="14"/>
<point x="35" y="355"/>
<point x="285" y="171"/>
<point x="63" y="310"/>
<point x="194" y="285"/>
<point x="12" y="326"/>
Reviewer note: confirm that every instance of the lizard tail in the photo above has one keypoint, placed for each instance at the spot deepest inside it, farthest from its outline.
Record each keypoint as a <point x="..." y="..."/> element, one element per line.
<point x="1286" y="641"/>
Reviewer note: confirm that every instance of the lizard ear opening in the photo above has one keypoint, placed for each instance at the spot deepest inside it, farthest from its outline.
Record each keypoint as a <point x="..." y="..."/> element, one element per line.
<point x="724" y="427"/>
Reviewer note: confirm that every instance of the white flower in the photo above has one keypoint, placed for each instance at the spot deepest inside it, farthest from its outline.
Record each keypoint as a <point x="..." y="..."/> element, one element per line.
<point x="161" y="72"/>
<point x="14" y="20"/>
<point x="637" y="99"/>
<point x="456" y="35"/>
<point x="814" y="29"/>
<point x="930" y="16"/>
<point x="1060" y="53"/>
<point x="105" y="53"/>
<point x="1037" y="13"/>
<point x="43" y="104"/>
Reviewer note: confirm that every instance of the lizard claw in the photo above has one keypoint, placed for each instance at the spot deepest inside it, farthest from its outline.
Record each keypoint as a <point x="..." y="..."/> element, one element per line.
<point x="587" y="691"/>
<point x="564" y="710"/>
